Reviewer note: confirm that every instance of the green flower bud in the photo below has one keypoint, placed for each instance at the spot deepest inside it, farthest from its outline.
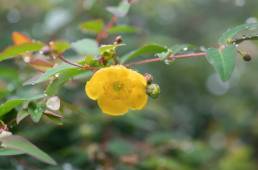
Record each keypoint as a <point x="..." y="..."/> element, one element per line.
<point x="153" y="90"/>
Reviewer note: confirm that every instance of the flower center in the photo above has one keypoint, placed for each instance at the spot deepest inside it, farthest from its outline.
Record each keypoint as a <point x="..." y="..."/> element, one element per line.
<point x="117" y="86"/>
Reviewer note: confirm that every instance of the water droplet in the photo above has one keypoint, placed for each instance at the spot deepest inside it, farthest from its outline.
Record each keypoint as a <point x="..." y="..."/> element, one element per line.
<point x="167" y="61"/>
<point x="57" y="75"/>
<point x="26" y="59"/>
<point x="53" y="103"/>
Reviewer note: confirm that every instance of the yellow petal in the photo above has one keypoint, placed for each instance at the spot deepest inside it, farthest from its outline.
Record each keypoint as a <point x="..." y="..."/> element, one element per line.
<point x="112" y="107"/>
<point x="94" y="87"/>
<point x="138" y="99"/>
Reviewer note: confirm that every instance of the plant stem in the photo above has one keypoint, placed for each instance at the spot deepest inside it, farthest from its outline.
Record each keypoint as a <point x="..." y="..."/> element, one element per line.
<point x="76" y="65"/>
<point x="104" y="33"/>
<point x="170" y="58"/>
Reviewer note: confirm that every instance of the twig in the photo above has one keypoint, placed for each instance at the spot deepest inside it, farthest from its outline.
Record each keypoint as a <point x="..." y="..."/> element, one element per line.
<point x="86" y="67"/>
<point x="170" y="58"/>
<point x="104" y="33"/>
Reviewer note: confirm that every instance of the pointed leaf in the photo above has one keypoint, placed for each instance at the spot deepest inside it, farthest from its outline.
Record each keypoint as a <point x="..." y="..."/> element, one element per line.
<point x="9" y="152"/>
<point x="229" y="35"/>
<point x="21" y="115"/>
<point x="86" y="47"/>
<point x="9" y="105"/>
<point x="93" y="26"/>
<point x="60" y="46"/>
<point x="17" y="50"/>
<point x="51" y="72"/>
<point x="122" y="29"/>
<point x="23" y="145"/>
<point x="13" y="103"/>
<point x="145" y="50"/>
<point x="222" y="60"/>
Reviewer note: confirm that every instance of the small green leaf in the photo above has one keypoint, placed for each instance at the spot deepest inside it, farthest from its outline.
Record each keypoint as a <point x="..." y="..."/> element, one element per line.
<point x="13" y="103"/>
<point x="60" y="46"/>
<point x="36" y="112"/>
<point x="9" y="105"/>
<point x="122" y="29"/>
<point x="86" y="47"/>
<point x="51" y="72"/>
<point x="229" y="35"/>
<point x="145" y="50"/>
<point x="93" y="26"/>
<point x="21" y="115"/>
<point x="121" y="10"/>
<point x="223" y="60"/>
<point x="9" y="152"/>
<point x="63" y="77"/>
<point x="24" y="146"/>
<point x="17" y="50"/>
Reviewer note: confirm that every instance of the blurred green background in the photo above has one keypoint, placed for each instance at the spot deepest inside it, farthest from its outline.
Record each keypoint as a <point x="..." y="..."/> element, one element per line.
<point x="198" y="122"/>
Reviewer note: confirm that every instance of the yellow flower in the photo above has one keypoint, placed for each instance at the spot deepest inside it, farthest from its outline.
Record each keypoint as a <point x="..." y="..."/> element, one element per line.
<point x="117" y="89"/>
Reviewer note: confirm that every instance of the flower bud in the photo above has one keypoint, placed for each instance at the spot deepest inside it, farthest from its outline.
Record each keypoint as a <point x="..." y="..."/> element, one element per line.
<point x="247" y="57"/>
<point x="148" y="77"/>
<point x="153" y="90"/>
<point x="118" y="40"/>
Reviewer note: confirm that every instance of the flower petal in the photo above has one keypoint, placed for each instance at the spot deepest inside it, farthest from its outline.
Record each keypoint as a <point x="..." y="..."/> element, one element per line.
<point x="112" y="107"/>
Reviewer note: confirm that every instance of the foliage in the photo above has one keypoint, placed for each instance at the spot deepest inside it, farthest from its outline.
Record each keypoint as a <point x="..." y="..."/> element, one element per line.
<point x="186" y="128"/>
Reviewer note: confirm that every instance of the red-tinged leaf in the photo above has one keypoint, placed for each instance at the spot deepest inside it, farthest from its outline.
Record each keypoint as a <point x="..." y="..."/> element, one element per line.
<point x="19" y="38"/>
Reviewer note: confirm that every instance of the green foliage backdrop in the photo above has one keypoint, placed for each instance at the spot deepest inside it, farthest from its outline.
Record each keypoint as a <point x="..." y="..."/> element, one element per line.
<point x="198" y="121"/>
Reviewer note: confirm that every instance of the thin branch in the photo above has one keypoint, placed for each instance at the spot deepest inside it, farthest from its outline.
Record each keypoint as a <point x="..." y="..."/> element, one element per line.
<point x="104" y="33"/>
<point x="86" y="67"/>
<point x="170" y="58"/>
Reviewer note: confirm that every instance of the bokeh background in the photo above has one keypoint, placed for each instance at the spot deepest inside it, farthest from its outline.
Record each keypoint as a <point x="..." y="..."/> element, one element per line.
<point x="198" y="122"/>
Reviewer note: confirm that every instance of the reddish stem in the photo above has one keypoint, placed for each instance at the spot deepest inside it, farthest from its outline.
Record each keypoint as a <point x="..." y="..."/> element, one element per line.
<point x="170" y="58"/>
<point x="104" y="33"/>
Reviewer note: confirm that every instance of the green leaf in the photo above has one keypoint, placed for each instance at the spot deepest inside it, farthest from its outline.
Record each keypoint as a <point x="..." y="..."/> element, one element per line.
<point x="121" y="10"/>
<point x="13" y="103"/>
<point x="229" y="35"/>
<point x="23" y="145"/>
<point x="60" y="46"/>
<point x="36" y="112"/>
<point x="21" y="115"/>
<point x="223" y="60"/>
<point x="93" y="26"/>
<point x="9" y="105"/>
<point x="86" y="47"/>
<point x="17" y="50"/>
<point x="9" y="152"/>
<point x="63" y="77"/>
<point x="122" y="29"/>
<point x="145" y="50"/>
<point x="51" y="72"/>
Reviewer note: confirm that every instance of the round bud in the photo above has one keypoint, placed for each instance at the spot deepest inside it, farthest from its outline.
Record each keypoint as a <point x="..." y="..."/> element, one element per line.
<point x="153" y="90"/>
<point x="148" y="77"/>
<point x="118" y="39"/>
<point x="247" y="57"/>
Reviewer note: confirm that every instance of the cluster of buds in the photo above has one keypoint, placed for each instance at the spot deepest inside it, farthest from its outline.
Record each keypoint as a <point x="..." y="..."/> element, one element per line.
<point x="153" y="90"/>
